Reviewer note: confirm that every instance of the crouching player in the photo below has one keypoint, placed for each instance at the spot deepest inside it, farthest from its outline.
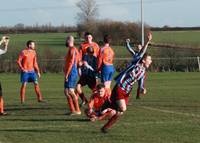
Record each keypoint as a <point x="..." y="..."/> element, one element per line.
<point x="4" y="41"/>
<point x="94" y="111"/>
<point x="27" y="62"/>
<point x="122" y="89"/>
<point x="71" y="75"/>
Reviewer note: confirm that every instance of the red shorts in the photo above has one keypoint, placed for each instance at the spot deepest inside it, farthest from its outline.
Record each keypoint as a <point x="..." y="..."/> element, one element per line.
<point x="119" y="94"/>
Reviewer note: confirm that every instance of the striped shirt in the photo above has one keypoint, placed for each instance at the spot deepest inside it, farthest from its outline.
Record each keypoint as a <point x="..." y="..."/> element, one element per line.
<point x="128" y="79"/>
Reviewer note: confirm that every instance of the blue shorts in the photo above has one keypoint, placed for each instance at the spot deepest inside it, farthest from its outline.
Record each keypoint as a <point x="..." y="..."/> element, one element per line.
<point x="72" y="79"/>
<point x="107" y="73"/>
<point x="29" y="77"/>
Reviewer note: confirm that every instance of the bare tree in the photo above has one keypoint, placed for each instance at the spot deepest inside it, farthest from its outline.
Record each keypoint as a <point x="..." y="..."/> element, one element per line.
<point x="88" y="11"/>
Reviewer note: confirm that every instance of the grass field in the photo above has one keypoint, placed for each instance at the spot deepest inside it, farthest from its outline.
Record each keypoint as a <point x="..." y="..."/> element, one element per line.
<point x="186" y="38"/>
<point x="170" y="113"/>
<point x="55" y="42"/>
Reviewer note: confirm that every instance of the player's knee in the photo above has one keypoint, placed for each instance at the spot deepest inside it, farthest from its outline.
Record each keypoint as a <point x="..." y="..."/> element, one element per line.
<point x="78" y="88"/>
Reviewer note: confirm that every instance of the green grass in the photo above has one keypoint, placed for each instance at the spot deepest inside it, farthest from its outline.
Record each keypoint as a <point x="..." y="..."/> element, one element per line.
<point x="169" y="113"/>
<point x="55" y="42"/>
<point x="188" y="38"/>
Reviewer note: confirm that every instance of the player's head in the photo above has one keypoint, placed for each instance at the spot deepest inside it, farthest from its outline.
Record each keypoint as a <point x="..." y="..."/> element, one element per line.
<point x="90" y="50"/>
<point x="88" y="37"/>
<point x="107" y="39"/>
<point x="30" y="44"/>
<point x="70" y="41"/>
<point x="146" y="60"/>
<point x="101" y="89"/>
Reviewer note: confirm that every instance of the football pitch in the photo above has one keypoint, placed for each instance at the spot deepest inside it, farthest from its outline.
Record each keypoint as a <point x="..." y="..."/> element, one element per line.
<point x="169" y="113"/>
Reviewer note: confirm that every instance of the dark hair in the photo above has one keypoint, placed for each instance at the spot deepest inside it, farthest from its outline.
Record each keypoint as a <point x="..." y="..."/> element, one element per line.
<point x="100" y="86"/>
<point x="144" y="57"/>
<point x="107" y="39"/>
<point x="29" y="42"/>
<point x="66" y="43"/>
<point x="87" y="33"/>
<point x="90" y="50"/>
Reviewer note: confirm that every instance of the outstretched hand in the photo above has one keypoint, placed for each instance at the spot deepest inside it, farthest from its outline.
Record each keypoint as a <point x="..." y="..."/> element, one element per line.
<point x="128" y="40"/>
<point x="149" y="36"/>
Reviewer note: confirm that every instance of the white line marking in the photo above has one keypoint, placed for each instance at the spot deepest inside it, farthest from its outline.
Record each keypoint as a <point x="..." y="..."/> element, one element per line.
<point x="171" y="112"/>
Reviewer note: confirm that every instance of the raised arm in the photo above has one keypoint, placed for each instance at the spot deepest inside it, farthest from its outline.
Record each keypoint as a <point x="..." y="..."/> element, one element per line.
<point x="144" y="49"/>
<point x="4" y="41"/>
<point x="129" y="48"/>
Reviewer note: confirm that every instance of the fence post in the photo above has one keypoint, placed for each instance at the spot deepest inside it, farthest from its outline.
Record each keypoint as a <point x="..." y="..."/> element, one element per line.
<point x="198" y="59"/>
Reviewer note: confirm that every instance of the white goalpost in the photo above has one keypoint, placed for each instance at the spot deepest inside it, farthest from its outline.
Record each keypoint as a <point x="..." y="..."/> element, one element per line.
<point x="198" y="60"/>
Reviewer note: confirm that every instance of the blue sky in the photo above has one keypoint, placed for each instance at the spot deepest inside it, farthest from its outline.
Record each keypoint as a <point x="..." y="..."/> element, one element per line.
<point x="57" y="12"/>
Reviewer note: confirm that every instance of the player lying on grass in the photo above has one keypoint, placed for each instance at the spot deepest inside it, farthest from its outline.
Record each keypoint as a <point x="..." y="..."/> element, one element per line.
<point x="27" y="62"/>
<point x="72" y="60"/>
<point x="88" y="75"/>
<point x="4" y="41"/>
<point x="105" y="63"/>
<point x="136" y="58"/>
<point x="94" y="111"/>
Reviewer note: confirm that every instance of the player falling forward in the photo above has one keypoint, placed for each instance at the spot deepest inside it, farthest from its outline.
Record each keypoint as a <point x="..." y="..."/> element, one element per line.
<point x="27" y="62"/>
<point x="124" y="85"/>
<point x="4" y="41"/>
<point x="94" y="111"/>
<point x="135" y="54"/>
<point x="72" y="60"/>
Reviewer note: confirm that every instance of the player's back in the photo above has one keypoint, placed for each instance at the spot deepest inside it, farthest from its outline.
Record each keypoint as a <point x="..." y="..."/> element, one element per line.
<point x="107" y="54"/>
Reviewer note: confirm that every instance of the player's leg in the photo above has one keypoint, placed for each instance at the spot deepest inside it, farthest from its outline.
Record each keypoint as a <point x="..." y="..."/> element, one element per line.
<point x="75" y="100"/>
<point x="22" y="92"/>
<point x="108" y="72"/>
<point x="80" y="93"/>
<point x="38" y="92"/>
<point x="1" y="102"/>
<point x="121" y="109"/>
<point x="107" y="114"/>
<point x="69" y="100"/>
<point x="33" y="78"/>
<point x="24" y="80"/>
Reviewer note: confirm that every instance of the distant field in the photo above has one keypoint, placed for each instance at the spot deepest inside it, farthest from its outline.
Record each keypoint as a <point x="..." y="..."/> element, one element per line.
<point x="169" y="113"/>
<point x="55" y="42"/>
<point x="188" y="38"/>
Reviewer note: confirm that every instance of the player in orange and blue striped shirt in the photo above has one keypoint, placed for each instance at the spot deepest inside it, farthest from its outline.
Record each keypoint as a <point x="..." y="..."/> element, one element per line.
<point x="105" y="63"/>
<point x="27" y="62"/>
<point x="71" y="75"/>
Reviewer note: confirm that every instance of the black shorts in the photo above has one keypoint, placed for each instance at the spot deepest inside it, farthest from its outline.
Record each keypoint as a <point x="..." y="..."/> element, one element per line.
<point x="86" y="80"/>
<point x="0" y="90"/>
